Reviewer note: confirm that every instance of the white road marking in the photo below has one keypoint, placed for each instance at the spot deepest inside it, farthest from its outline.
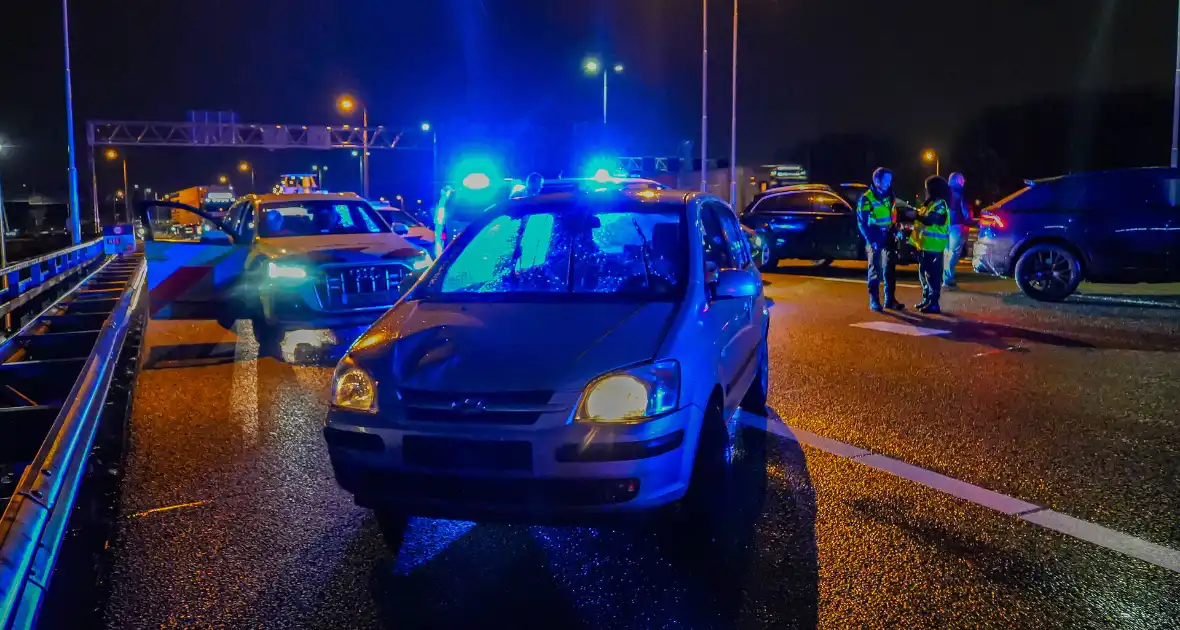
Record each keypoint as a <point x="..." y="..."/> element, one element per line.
<point x="901" y="329"/>
<point x="1125" y="544"/>
<point x="1158" y="555"/>
<point x="855" y="281"/>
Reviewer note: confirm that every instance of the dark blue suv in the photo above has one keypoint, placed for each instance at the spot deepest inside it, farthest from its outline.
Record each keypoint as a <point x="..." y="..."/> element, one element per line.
<point x="1112" y="226"/>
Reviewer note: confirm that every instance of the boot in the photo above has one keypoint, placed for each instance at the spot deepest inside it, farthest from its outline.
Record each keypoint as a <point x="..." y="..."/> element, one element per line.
<point x="875" y="303"/>
<point x="923" y="304"/>
<point x="894" y="305"/>
<point x="931" y="309"/>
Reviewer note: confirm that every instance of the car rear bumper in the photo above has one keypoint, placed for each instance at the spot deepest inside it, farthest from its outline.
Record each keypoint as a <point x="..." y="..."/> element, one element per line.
<point x="992" y="256"/>
<point x="571" y="472"/>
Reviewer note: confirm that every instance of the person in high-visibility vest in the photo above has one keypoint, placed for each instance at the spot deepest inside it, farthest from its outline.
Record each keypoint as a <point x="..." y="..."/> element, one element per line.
<point x="876" y="216"/>
<point x="930" y="237"/>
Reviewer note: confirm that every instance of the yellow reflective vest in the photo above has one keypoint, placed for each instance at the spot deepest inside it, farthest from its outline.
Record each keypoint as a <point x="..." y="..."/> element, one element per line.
<point x="880" y="211"/>
<point x="931" y="238"/>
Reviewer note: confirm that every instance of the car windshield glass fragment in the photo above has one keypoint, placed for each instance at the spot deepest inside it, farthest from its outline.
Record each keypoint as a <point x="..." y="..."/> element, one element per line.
<point x="316" y="218"/>
<point x="622" y="248"/>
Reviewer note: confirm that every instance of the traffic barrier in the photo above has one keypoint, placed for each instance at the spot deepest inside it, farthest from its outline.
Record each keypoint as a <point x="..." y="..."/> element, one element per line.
<point x="34" y="521"/>
<point x="25" y="280"/>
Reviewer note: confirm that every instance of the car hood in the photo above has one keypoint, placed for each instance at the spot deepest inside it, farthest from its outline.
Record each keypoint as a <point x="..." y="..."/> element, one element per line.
<point x="338" y="248"/>
<point x="488" y="347"/>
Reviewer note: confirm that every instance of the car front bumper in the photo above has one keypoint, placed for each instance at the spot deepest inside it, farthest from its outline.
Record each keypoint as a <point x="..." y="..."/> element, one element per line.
<point x="298" y="305"/>
<point x="549" y="472"/>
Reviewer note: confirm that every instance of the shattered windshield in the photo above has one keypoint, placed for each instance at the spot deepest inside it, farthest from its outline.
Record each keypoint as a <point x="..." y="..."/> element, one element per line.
<point x="623" y="248"/>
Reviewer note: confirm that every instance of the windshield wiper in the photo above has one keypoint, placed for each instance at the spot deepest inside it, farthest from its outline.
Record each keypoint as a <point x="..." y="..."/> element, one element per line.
<point x="646" y="254"/>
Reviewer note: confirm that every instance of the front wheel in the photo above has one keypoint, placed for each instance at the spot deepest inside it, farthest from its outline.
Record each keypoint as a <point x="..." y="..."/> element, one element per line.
<point x="755" y="399"/>
<point x="1048" y="272"/>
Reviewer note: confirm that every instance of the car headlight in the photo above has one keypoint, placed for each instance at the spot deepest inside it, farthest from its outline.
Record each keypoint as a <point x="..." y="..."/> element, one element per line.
<point x="632" y="395"/>
<point x="275" y="271"/>
<point x="353" y="388"/>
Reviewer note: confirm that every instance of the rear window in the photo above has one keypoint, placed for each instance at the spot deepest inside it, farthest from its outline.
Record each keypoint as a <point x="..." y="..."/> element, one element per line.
<point x="1028" y="199"/>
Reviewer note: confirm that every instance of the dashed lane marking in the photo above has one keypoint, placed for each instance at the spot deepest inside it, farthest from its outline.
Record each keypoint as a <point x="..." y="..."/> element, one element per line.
<point x="901" y="329"/>
<point x="1126" y="544"/>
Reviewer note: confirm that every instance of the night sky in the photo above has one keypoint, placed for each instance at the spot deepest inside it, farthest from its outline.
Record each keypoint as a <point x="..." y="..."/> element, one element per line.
<point x="912" y="70"/>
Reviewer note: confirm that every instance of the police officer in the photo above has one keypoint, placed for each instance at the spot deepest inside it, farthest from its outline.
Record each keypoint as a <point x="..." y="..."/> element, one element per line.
<point x="960" y="213"/>
<point x="876" y="214"/>
<point x="533" y="184"/>
<point x="930" y="237"/>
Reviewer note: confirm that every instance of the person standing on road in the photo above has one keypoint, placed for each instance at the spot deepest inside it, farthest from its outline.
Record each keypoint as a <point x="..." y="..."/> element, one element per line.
<point x="929" y="237"/>
<point x="960" y="223"/>
<point x="875" y="217"/>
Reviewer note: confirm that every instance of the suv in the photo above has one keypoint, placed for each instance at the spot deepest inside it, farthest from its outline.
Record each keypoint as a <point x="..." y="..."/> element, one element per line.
<point x="286" y="261"/>
<point x="636" y="326"/>
<point x="1113" y="226"/>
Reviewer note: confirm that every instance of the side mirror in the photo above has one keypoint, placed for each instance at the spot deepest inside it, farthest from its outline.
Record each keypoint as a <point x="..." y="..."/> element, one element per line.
<point x="400" y="229"/>
<point x="734" y="283"/>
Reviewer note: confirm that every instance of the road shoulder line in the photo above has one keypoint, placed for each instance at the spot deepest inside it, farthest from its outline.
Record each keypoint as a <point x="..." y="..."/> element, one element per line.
<point x="1126" y="544"/>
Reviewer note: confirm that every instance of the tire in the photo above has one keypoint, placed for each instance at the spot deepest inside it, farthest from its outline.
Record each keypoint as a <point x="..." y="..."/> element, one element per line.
<point x="769" y="261"/>
<point x="707" y="484"/>
<point x="823" y="262"/>
<point x="392" y="525"/>
<point x="755" y="399"/>
<point x="1048" y="272"/>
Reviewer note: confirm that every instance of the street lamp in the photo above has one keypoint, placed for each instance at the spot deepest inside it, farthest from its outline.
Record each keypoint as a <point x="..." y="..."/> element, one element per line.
<point x="930" y="155"/>
<point x="592" y="67"/>
<point x="222" y="179"/>
<point x="347" y="104"/>
<point x="244" y="166"/>
<point x="111" y="155"/>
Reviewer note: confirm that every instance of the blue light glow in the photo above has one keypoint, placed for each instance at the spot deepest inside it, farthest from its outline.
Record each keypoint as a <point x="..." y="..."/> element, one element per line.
<point x="477" y="181"/>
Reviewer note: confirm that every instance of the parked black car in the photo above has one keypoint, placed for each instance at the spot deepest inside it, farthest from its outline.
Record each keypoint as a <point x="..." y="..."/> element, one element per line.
<point x="809" y="222"/>
<point x="1114" y="226"/>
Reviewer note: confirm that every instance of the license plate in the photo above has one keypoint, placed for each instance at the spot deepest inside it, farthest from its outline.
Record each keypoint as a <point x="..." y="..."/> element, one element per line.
<point x="452" y="454"/>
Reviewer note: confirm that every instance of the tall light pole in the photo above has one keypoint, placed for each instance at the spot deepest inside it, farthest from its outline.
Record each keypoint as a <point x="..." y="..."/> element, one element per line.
<point x="1176" y="97"/>
<point x="930" y="155"/>
<point x="428" y="128"/>
<point x="75" y="210"/>
<point x="3" y="230"/>
<point x="244" y="166"/>
<point x="704" y="95"/>
<point x="112" y="154"/>
<point x="733" y="115"/>
<point x="347" y="104"/>
<point x="360" y="168"/>
<point x="592" y="67"/>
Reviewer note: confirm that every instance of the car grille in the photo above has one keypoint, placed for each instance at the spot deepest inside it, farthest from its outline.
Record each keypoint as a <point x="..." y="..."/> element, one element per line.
<point x="508" y="408"/>
<point x="361" y="286"/>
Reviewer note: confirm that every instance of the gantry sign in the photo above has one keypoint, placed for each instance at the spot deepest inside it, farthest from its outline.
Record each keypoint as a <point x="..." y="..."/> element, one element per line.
<point x="221" y="134"/>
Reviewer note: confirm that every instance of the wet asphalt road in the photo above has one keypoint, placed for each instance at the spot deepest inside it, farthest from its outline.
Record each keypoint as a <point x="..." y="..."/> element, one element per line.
<point x="230" y="517"/>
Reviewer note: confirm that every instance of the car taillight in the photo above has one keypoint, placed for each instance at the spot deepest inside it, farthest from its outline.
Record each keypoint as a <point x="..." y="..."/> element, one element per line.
<point x="990" y="219"/>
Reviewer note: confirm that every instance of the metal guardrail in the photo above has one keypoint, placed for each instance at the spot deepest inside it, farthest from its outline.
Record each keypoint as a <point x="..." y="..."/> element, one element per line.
<point x="25" y="280"/>
<point x="34" y="522"/>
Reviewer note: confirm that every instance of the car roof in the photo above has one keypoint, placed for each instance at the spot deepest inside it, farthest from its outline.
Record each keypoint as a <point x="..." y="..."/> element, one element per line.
<point x="665" y="196"/>
<point x="313" y="196"/>
<point x="1142" y="169"/>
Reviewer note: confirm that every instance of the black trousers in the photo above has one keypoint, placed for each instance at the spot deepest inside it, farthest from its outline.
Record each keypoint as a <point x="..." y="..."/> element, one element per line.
<point x="882" y="266"/>
<point x="930" y="273"/>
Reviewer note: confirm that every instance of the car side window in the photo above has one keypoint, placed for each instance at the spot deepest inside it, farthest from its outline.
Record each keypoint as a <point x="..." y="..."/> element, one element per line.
<point x="786" y="202"/>
<point x="245" y="228"/>
<point x="233" y="216"/>
<point x="715" y="247"/>
<point x="826" y="202"/>
<point x="739" y="247"/>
